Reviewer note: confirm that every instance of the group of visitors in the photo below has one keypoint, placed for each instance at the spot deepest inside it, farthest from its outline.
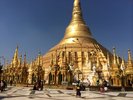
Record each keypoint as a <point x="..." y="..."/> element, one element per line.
<point x="38" y="85"/>
<point x="3" y="85"/>
<point x="103" y="85"/>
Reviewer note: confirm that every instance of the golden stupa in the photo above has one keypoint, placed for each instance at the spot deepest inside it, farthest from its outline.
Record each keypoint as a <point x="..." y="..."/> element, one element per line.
<point x="78" y="56"/>
<point x="78" y="49"/>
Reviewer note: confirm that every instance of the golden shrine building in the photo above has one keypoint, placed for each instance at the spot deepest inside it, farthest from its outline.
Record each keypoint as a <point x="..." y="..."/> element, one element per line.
<point x="78" y="56"/>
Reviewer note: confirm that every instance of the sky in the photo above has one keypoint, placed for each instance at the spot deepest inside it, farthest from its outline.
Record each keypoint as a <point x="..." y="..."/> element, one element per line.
<point x="38" y="25"/>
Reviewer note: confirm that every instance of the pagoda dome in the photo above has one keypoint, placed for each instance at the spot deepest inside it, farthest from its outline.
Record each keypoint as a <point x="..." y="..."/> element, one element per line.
<point x="77" y="38"/>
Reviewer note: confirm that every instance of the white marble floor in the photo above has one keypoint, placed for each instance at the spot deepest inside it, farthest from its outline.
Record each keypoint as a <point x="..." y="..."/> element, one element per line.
<point x="26" y="93"/>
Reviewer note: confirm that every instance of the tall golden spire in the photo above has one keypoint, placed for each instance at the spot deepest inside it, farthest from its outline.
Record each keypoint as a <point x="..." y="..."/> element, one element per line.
<point x="129" y="69"/>
<point x="77" y="26"/>
<point x="25" y="60"/>
<point x="20" y="61"/>
<point x="16" y="54"/>
<point x="108" y="59"/>
<point x="15" y="57"/>
<point x="114" y="53"/>
<point x="129" y="57"/>
<point x="77" y="13"/>
<point x="39" y="58"/>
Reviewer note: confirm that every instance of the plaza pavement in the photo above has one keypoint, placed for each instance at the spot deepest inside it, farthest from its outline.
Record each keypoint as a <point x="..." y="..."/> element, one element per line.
<point x="26" y="93"/>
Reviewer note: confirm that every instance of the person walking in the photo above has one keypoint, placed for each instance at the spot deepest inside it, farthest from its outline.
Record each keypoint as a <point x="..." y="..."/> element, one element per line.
<point x="1" y="85"/>
<point x="4" y="84"/>
<point x="11" y="82"/>
<point x="78" y="89"/>
<point x="41" y="84"/>
<point x="105" y="85"/>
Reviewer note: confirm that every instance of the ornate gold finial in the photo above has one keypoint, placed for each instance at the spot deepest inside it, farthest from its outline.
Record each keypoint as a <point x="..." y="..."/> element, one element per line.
<point x="20" y="61"/>
<point x="108" y="59"/>
<point x="15" y="57"/>
<point x="77" y="26"/>
<point x="39" y="58"/>
<point x="25" y="60"/>
<point x="129" y="57"/>
<point x="77" y="13"/>
<point x="76" y="2"/>
<point x="114" y="53"/>
<point x="16" y="53"/>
